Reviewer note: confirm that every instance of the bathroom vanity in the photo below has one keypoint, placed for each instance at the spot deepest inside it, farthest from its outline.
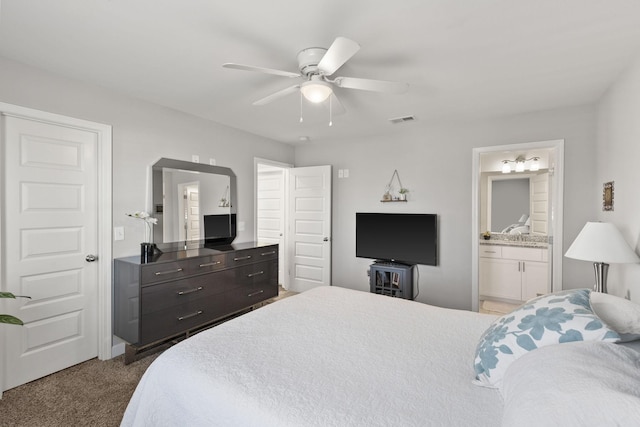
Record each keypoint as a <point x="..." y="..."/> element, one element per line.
<point x="513" y="271"/>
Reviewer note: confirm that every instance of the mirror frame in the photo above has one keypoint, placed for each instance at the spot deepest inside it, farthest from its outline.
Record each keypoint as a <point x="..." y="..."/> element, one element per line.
<point x="158" y="202"/>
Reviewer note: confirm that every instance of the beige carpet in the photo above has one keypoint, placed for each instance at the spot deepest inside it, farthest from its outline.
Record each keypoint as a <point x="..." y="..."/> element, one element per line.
<point x="94" y="393"/>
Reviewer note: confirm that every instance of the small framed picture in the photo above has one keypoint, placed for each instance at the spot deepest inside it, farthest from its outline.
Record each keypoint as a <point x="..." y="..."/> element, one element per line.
<point x="607" y="196"/>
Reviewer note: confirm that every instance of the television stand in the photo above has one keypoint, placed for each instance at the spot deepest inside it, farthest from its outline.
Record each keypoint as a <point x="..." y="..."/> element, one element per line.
<point x="391" y="279"/>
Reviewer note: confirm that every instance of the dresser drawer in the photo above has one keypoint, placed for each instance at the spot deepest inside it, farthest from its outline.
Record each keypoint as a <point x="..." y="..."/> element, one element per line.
<point x="152" y="273"/>
<point x="252" y="255"/>
<point x="246" y="296"/>
<point x="208" y="264"/>
<point x="181" y="318"/>
<point x="163" y="295"/>
<point x="255" y="274"/>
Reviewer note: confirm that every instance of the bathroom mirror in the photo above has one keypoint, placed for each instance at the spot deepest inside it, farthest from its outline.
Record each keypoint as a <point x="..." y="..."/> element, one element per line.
<point x="193" y="202"/>
<point x="510" y="203"/>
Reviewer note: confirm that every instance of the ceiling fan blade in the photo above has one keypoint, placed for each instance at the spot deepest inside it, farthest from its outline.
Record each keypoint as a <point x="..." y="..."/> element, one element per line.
<point x="340" y="51"/>
<point x="260" y="69"/>
<point x="372" y="85"/>
<point x="277" y="95"/>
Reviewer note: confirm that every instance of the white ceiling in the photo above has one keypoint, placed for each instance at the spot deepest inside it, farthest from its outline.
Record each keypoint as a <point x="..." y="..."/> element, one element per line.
<point x="463" y="59"/>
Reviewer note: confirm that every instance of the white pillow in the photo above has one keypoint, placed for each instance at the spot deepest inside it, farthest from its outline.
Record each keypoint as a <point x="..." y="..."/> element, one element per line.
<point x="591" y="383"/>
<point x="619" y="314"/>
<point x="555" y="318"/>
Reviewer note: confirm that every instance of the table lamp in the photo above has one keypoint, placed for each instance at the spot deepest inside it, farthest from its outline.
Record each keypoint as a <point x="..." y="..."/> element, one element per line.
<point x="601" y="243"/>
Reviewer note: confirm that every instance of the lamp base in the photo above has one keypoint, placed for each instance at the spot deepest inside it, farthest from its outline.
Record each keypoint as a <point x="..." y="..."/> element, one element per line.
<point x="601" y="269"/>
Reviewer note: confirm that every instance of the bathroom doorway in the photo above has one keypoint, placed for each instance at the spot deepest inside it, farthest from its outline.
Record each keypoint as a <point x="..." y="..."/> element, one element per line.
<point x="489" y="161"/>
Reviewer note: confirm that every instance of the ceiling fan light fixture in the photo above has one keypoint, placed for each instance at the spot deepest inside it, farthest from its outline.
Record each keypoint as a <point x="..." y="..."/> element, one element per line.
<point x="316" y="91"/>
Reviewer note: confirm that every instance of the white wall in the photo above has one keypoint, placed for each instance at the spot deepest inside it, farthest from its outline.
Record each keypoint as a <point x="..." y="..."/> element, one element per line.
<point x="618" y="153"/>
<point x="142" y="133"/>
<point x="434" y="162"/>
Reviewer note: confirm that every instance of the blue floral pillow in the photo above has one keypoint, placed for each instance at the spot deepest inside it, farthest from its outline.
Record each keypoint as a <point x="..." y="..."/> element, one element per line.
<point x="555" y="318"/>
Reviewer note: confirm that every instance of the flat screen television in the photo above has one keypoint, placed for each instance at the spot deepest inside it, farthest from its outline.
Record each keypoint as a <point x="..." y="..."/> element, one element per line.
<point x="397" y="237"/>
<point x="219" y="229"/>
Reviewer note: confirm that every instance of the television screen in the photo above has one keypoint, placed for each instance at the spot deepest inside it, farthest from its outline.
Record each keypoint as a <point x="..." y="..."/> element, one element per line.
<point x="397" y="237"/>
<point x="219" y="228"/>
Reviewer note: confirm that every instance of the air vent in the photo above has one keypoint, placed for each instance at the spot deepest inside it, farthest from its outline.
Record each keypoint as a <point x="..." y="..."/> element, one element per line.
<point x="404" y="119"/>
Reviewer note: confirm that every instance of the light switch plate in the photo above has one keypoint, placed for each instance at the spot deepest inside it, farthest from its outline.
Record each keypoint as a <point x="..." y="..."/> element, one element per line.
<point x="195" y="158"/>
<point x="118" y="233"/>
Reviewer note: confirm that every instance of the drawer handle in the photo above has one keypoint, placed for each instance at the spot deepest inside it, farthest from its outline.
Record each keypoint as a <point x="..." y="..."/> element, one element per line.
<point x="255" y="274"/>
<point x="209" y="264"/>
<point x="190" y="291"/>
<point x="490" y="252"/>
<point x="268" y="253"/>
<point x="189" y="316"/>
<point x="242" y="258"/>
<point x="256" y="293"/>
<point x="160" y="273"/>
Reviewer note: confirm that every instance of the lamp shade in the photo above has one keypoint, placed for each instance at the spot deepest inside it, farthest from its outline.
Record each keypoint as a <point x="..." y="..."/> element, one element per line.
<point x="601" y="242"/>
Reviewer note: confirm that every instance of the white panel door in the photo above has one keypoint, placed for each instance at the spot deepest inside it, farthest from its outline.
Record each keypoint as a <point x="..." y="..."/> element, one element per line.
<point x="539" y="204"/>
<point x="270" y="212"/>
<point x="50" y="228"/>
<point x="192" y="215"/>
<point x="310" y="227"/>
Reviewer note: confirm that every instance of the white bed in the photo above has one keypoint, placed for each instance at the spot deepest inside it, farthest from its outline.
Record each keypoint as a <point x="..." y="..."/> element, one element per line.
<point x="327" y="357"/>
<point x="337" y="357"/>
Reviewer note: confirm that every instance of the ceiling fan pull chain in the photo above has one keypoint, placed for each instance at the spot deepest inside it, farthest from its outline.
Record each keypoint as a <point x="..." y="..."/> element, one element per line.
<point x="330" y="105"/>
<point x="301" y="119"/>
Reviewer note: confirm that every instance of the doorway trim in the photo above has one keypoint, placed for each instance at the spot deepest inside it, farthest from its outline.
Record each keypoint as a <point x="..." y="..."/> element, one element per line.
<point x="104" y="163"/>
<point x="557" y="210"/>
<point x="285" y="166"/>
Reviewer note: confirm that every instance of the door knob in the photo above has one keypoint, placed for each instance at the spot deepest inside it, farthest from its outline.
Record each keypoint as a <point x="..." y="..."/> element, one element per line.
<point x="91" y="258"/>
<point x="326" y="239"/>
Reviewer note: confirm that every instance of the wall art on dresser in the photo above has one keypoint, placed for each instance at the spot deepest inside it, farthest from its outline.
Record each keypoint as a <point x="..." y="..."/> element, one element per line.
<point x="607" y="196"/>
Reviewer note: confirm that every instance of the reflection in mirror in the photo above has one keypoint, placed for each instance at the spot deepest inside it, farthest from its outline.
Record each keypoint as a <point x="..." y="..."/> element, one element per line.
<point x="193" y="203"/>
<point x="510" y="205"/>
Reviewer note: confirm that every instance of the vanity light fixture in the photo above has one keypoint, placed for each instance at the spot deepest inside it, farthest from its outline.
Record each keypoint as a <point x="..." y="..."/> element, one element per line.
<point x="506" y="167"/>
<point x="535" y="164"/>
<point x="520" y="164"/>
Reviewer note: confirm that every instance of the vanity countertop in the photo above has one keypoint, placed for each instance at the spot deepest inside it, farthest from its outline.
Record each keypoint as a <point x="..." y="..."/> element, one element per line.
<point x="515" y="243"/>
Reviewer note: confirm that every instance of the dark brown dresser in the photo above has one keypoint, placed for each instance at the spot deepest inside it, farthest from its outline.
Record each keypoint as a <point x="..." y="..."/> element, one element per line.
<point x="184" y="290"/>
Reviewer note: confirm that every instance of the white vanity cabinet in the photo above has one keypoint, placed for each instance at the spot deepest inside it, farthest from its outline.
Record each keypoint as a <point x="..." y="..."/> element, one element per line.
<point x="513" y="273"/>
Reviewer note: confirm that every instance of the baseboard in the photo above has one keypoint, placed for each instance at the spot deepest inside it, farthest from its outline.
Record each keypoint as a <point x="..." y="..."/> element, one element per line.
<point x="117" y="349"/>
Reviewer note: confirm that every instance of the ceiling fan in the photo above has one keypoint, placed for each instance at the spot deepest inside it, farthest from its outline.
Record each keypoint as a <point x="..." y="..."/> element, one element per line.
<point x="315" y="65"/>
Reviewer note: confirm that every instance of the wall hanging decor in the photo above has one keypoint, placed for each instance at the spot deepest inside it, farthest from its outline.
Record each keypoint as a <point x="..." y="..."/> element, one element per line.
<point x="389" y="193"/>
<point x="607" y="196"/>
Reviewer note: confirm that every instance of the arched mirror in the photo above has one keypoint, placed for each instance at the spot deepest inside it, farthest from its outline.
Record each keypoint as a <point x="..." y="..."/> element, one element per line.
<point x="194" y="203"/>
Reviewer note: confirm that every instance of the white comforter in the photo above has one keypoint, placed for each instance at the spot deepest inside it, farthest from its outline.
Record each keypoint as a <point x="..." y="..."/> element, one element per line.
<point x="327" y="357"/>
